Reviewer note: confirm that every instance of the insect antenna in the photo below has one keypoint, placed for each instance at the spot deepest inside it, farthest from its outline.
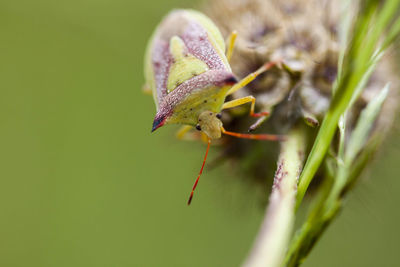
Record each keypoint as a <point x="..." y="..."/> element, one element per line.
<point x="265" y="137"/>
<point x="201" y="171"/>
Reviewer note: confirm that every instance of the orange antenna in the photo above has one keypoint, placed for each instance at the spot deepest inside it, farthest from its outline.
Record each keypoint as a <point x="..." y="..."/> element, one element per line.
<point x="267" y="137"/>
<point x="201" y="171"/>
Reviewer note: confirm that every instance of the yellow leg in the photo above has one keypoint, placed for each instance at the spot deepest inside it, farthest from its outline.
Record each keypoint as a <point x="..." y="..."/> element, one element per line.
<point x="246" y="80"/>
<point x="244" y="100"/>
<point x="204" y="138"/>
<point x="231" y="44"/>
<point x="183" y="134"/>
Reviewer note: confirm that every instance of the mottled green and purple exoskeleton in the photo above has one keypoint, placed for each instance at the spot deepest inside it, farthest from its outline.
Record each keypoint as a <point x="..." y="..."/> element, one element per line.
<point x="189" y="75"/>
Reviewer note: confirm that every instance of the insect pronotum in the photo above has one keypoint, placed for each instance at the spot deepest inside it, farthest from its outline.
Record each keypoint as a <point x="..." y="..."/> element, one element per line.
<point x="187" y="70"/>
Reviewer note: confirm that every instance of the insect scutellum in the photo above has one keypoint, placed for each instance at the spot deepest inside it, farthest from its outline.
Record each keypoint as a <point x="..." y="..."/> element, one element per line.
<point x="188" y="72"/>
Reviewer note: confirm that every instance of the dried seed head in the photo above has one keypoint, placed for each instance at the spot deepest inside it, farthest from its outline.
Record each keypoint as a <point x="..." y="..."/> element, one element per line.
<point x="304" y="35"/>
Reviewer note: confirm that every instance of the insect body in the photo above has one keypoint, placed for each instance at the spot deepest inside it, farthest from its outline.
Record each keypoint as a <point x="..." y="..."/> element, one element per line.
<point x="189" y="75"/>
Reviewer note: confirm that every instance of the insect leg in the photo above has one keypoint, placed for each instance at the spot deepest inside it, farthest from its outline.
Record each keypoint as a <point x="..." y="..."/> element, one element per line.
<point x="231" y="44"/>
<point x="244" y="100"/>
<point x="184" y="134"/>
<point x="265" y="137"/>
<point x="249" y="78"/>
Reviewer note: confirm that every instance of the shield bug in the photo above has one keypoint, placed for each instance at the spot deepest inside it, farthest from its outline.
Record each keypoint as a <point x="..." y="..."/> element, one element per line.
<point x="187" y="70"/>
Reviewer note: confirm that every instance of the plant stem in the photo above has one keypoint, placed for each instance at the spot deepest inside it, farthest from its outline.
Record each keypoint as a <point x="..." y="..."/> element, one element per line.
<point x="326" y="208"/>
<point x="273" y="238"/>
<point x="351" y="162"/>
<point x="362" y="55"/>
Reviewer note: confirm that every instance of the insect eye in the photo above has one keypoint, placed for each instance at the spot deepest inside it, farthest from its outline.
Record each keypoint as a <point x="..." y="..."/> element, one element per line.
<point x="219" y="115"/>
<point x="198" y="127"/>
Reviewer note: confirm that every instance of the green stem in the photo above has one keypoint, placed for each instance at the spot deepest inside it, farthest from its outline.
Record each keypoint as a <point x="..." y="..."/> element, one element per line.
<point x="358" y="65"/>
<point x="327" y="207"/>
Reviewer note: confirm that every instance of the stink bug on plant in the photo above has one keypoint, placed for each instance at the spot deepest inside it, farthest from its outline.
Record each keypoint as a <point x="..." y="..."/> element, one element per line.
<point x="187" y="70"/>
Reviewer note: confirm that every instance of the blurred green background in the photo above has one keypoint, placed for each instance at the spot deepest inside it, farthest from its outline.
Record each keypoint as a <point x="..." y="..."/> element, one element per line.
<point x="84" y="183"/>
